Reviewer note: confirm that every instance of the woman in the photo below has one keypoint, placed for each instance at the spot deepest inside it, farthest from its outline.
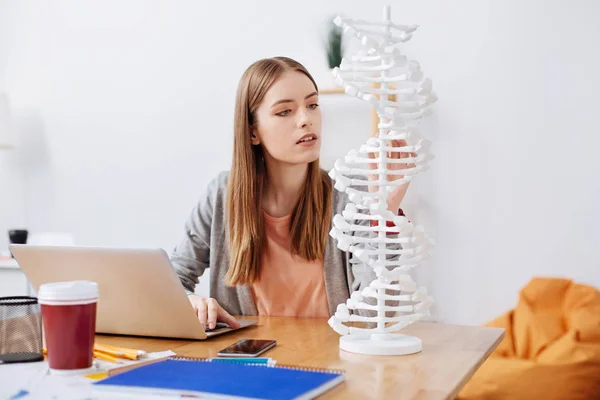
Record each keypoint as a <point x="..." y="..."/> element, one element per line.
<point x="263" y="227"/>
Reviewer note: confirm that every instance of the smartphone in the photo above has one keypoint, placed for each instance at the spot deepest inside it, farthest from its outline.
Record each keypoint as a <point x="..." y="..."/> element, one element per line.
<point x="247" y="348"/>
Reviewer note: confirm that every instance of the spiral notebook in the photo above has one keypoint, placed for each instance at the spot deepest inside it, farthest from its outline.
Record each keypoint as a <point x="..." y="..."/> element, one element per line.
<point x="188" y="376"/>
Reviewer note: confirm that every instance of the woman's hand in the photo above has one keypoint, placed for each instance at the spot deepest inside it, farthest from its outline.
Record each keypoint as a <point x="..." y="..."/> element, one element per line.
<point x="209" y="312"/>
<point x="395" y="197"/>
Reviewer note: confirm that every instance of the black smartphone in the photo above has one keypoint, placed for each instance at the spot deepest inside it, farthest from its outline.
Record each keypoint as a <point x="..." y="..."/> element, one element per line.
<point x="247" y="348"/>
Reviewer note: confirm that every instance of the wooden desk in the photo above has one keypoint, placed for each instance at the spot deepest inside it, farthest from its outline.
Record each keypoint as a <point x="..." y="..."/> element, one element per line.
<point x="450" y="356"/>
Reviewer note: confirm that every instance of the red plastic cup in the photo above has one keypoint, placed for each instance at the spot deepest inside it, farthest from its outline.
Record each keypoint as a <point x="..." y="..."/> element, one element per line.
<point x="69" y="317"/>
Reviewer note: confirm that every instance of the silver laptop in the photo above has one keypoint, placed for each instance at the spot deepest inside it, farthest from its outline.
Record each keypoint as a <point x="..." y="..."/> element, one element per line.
<point x="139" y="292"/>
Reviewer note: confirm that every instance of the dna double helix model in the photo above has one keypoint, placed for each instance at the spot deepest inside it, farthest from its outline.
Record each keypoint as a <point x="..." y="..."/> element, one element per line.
<point x="377" y="238"/>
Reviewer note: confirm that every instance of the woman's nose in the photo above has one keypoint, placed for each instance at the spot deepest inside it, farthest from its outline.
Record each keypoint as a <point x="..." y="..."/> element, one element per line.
<point x="305" y="121"/>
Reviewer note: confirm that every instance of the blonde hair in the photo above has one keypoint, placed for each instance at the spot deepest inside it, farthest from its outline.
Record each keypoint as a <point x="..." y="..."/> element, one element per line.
<point x="311" y="217"/>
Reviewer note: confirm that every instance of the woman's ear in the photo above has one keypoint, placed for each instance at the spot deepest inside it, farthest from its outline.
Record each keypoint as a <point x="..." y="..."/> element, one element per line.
<point x="253" y="137"/>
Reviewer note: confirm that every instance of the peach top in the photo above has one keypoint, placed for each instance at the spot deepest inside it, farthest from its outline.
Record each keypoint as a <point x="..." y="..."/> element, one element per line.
<point x="288" y="286"/>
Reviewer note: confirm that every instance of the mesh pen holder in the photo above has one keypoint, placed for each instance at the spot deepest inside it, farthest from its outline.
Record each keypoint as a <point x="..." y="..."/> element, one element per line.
<point x="20" y="329"/>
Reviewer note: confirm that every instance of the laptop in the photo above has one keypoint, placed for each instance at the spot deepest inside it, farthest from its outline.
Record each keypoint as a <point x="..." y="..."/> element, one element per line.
<point x="139" y="292"/>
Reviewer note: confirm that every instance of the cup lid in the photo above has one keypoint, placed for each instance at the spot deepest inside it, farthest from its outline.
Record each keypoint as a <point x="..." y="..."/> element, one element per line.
<point x="68" y="291"/>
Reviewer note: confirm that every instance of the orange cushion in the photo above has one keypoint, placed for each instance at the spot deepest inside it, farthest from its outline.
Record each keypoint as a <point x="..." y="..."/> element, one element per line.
<point x="551" y="349"/>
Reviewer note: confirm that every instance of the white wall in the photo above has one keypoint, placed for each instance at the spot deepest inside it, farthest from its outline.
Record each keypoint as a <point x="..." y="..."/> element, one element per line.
<point x="126" y="112"/>
<point x="12" y="192"/>
<point x="12" y="199"/>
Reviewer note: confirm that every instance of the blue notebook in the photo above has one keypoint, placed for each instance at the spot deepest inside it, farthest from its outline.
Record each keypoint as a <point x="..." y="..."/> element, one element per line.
<point x="225" y="380"/>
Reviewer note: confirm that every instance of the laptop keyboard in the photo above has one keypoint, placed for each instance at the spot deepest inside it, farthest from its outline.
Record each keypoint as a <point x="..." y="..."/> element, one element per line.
<point x="219" y="325"/>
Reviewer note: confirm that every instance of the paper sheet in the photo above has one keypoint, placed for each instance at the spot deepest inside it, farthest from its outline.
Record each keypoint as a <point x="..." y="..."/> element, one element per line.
<point x="39" y="383"/>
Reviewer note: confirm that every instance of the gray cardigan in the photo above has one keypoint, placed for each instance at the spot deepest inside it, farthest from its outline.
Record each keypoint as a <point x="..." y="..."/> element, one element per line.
<point x="205" y="245"/>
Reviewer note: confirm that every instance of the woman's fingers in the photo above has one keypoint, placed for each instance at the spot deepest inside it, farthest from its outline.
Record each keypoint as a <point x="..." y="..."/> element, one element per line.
<point x="213" y="311"/>
<point x="224" y="316"/>
<point x="393" y="155"/>
<point x="209" y="311"/>
<point x="199" y="304"/>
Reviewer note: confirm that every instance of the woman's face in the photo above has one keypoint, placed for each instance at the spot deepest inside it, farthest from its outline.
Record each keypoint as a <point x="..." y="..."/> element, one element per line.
<point x="288" y="121"/>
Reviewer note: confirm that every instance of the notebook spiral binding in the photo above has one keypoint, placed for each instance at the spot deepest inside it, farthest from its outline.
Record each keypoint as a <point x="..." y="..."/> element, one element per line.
<point x="284" y="366"/>
<point x="311" y="369"/>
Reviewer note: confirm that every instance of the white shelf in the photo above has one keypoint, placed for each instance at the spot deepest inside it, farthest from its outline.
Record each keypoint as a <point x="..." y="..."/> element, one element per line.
<point x="9" y="264"/>
<point x="13" y="281"/>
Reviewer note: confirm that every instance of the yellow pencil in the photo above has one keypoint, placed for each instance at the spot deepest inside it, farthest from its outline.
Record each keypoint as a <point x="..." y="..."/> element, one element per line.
<point x="125" y="350"/>
<point x="115" y="353"/>
<point x="134" y="354"/>
<point x="105" y="357"/>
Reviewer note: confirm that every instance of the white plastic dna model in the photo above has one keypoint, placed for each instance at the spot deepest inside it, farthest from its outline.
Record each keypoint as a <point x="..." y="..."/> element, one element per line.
<point x="395" y="86"/>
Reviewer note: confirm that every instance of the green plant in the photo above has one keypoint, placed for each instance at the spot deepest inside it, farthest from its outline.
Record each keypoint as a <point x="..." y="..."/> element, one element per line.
<point x="334" y="46"/>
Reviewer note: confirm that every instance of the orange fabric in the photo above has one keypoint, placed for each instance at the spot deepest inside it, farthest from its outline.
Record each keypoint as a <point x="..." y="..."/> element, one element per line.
<point x="551" y="349"/>
<point x="288" y="286"/>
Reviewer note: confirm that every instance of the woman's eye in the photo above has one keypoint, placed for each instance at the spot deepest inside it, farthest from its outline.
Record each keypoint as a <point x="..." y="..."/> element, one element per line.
<point x="313" y="106"/>
<point x="284" y="113"/>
